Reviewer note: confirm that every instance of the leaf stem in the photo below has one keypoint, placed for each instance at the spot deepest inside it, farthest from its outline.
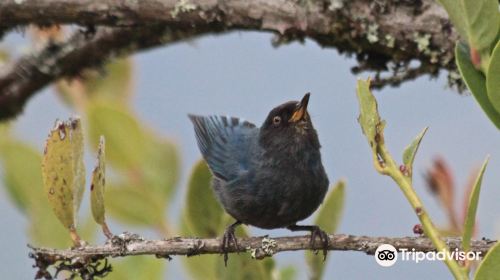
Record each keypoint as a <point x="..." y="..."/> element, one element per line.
<point x="391" y="169"/>
<point x="77" y="241"/>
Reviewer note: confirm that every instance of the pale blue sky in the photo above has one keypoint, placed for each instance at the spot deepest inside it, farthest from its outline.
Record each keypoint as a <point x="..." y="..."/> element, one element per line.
<point x="241" y="74"/>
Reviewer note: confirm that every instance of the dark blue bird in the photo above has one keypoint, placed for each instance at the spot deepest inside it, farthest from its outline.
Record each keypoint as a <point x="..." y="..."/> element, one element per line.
<point x="268" y="177"/>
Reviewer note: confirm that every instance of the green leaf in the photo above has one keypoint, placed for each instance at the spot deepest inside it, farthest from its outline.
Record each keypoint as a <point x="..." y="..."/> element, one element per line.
<point x="161" y="166"/>
<point x="21" y="173"/>
<point x="143" y="157"/>
<point x="116" y="83"/>
<point x="200" y="267"/>
<point x="490" y="265"/>
<point x="456" y="14"/>
<point x="63" y="171"/>
<point x="411" y="150"/>
<point x="327" y="219"/>
<point x="470" y="218"/>
<point x="87" y="229"/>
<point x="124" y="135"/>
<point x="45" y="229"/>
<point x="137" y="268"/>
<point x="476" y="83"/>
<point x="242" y="266"/>
<point x="203" y="216"/>
<point x="203" y="212"/>
<point x="113" y="84"/>
<point x="134" y="205"/>
<point x="98" y="184"/>
<point x="492" y="80"/>
<point x="288" y="273"/>
<point x="23" y="181"/>
<point x="369" y="119"/>
<point x="482" y="20"/>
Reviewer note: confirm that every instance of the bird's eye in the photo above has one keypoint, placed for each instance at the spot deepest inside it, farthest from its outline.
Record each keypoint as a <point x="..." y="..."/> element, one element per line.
<point x="276" y="120"/>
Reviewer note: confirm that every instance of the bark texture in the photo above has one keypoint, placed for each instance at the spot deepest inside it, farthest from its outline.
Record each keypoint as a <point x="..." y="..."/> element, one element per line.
<point x="385" y="36"/>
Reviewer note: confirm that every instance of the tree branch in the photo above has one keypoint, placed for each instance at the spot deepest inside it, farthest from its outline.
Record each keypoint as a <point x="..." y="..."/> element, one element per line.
<point x="395" y="29"/>
<point x="85" y="49"/>
<point x="128" y="244"/>
<point x="92" y="260"/>
<point x="384" y="35"/>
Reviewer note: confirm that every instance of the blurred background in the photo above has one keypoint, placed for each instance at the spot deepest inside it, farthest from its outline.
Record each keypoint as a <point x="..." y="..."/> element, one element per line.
<point x="141" y="104"/>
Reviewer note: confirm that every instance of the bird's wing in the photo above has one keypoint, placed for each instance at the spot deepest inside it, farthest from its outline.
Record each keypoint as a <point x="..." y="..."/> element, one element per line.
<point x="226" y="144"/>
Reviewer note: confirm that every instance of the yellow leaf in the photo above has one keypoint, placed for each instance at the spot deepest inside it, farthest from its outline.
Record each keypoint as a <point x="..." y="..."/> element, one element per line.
<point x="63" y="171"/>
<point x="79" y="166"/>
<point x="97" y="186"/>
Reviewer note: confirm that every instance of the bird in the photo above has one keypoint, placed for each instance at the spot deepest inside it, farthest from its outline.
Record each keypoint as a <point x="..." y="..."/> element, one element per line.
<point x="269" y="177"/>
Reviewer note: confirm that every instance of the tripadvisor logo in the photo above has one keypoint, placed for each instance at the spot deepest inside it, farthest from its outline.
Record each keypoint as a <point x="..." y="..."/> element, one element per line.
<point x="386" y="255"/>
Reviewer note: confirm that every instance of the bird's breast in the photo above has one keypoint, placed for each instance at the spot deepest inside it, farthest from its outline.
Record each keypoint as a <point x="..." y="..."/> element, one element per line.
<point x="277" y="191"/>
<point x="291" y="191"/>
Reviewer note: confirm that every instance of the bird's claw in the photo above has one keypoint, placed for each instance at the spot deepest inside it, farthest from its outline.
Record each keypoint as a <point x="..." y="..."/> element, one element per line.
<point x="228" y="237"/>
<point x="323" y="237"/>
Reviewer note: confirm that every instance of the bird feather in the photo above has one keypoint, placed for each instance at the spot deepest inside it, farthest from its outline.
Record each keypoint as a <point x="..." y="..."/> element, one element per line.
<point x="225" y="143"/>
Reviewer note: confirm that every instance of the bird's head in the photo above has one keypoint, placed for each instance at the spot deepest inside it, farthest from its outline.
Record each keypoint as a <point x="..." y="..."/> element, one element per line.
<point x="289" y="126"/>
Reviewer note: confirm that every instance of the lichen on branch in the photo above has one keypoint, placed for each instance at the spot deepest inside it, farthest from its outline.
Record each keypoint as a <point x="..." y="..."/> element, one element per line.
<point x="128" y="244"/>
<point x="384" y="36"/>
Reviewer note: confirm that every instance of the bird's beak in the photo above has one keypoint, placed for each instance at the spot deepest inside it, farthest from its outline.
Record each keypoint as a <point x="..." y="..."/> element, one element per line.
<point x="301" y="110"/>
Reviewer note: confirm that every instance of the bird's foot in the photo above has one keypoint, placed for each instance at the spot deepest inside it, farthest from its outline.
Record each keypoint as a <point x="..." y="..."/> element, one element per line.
<point x="323" y="237"/>
<point x="229" y="237"/>
<point x="315" y="233"/>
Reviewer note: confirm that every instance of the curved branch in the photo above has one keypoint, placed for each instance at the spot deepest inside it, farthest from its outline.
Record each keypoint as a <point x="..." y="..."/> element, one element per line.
<point x="85" y="49"/>
<point x="380" y="33"/>
<point x="399" y="29"/>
